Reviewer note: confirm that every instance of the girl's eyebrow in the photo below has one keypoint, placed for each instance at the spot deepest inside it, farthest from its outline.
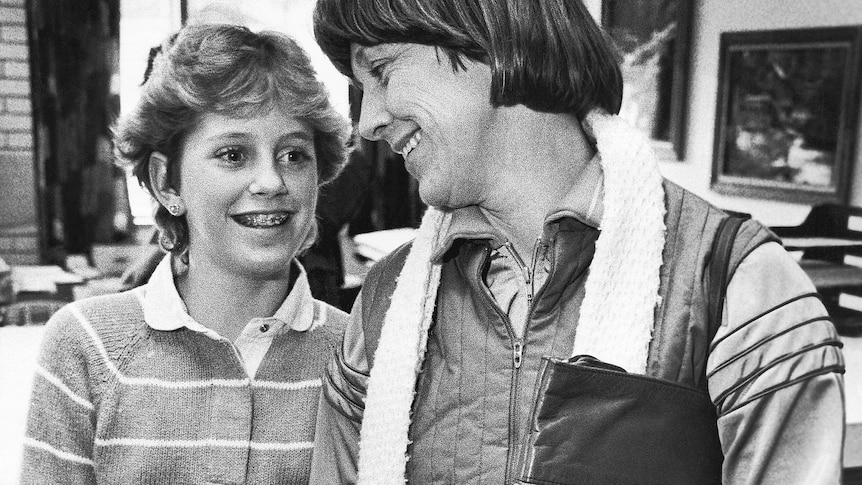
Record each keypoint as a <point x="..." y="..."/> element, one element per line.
<point x="303" y="135"/>
<point x="234" y="135"/>
<point x="293" y="135"/>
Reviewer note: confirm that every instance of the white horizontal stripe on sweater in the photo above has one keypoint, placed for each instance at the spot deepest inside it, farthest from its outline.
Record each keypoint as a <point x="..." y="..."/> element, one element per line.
<point x="63" y="455"/>
<point x="151" y="381"/>
<point x="298" y="446"/>
<point x="209" y="443"/>
<point x="288" y="386"/>
<point x="56" y="382"/>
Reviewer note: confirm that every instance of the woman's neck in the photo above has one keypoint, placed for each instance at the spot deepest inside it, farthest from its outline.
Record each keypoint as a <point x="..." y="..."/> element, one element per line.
<point x="541" y="159"/>
<point x="225" y="301"/>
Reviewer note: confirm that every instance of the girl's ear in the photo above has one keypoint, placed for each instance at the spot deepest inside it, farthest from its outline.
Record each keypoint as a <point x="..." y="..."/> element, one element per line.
<point x="162" y="190"/>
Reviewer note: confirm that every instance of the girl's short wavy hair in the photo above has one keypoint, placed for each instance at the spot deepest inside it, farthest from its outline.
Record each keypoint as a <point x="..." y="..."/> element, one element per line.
<point x="232" y="71"/>
<point x="548" y="55"/>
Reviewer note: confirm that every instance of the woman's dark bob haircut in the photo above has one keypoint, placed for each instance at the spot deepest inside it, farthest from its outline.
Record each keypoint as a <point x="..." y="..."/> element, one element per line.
<point x="548" y="55"/>
<point x="232" y="71"/>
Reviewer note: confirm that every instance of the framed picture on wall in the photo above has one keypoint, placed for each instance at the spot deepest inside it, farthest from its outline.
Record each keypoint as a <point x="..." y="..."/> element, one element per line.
<point x="786" y="121"/>
<point x="653" y="40"/>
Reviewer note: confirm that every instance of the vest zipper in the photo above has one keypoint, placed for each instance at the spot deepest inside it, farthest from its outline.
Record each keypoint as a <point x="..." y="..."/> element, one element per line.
<point x="517" y="346"/>
<point x="517" y="358"/>
<point x="518" y="355"/>
<point x="529" y="273"/>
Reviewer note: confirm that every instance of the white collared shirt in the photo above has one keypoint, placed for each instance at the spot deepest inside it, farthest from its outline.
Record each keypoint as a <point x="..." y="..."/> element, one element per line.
<point x="165" y="310"/>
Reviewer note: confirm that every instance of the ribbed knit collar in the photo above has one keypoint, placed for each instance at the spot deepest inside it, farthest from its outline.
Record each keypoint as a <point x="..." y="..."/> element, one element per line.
<point x="165" y="310"/>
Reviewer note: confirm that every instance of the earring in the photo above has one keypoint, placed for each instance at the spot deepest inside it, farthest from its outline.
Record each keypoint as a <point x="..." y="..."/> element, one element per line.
<point x="167" y="242"/>
<point x="174" y="209"/>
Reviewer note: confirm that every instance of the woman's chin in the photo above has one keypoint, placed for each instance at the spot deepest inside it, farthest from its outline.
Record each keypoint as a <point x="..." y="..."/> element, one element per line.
<point x="433" y="196"/>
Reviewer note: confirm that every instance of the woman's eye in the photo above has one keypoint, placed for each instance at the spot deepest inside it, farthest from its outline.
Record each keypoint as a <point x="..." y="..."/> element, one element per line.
<point x="231" y="155"/>
<point x="377" y="72"/>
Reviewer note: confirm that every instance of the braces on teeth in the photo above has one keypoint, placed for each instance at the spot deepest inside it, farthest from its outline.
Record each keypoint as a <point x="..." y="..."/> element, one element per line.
<point x="263" y="219"/>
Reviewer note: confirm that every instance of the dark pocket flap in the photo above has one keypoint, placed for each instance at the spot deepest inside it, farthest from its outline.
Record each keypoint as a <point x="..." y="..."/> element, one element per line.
<point x="595" y="423"/>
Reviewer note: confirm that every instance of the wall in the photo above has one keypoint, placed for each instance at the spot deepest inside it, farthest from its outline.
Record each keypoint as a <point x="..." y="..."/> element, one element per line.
<point x="711" y="18"/>
<point x="18" y="233"/>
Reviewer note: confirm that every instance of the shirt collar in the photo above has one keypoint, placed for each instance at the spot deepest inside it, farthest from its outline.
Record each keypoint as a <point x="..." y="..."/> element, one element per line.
<point x="583" y="202"/>
<point x="297" y="310"/>
<point x="165" y="310"/>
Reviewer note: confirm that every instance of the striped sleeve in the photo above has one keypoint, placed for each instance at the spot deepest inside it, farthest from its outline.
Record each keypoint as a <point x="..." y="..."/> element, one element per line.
<point x="775" y="374"/>
<point x="58" y="444"/>
<point x="339" y="415"/>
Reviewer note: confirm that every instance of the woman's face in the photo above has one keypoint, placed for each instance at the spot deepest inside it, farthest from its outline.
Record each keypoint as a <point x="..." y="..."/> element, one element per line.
<point x="249" y="186"/>
<point x="440" y="120"/>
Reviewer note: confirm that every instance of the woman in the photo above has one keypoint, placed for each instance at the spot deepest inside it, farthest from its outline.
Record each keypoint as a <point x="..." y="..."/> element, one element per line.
<point x="210" y="373"/>
<point x="552" y="234"/>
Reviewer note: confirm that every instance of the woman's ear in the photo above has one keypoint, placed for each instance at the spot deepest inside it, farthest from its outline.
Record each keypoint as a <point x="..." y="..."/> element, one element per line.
<point x="162" y="190"/>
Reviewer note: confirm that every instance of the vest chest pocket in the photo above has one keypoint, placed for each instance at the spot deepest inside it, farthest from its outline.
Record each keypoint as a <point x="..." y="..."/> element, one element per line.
<point x="594" y="423"/>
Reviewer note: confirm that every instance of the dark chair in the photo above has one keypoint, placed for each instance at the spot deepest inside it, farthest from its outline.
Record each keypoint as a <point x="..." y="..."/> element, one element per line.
<point x="29" y="312"/>
<point x="830" y="239"/>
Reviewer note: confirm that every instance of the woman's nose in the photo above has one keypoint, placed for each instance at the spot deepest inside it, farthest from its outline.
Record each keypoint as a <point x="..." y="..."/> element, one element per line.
<point x="373" y="117"/>
<point x="267" y="180"/>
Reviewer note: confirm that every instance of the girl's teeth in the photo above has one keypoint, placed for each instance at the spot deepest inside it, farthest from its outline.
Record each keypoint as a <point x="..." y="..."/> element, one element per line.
<point x="262" y="220"/>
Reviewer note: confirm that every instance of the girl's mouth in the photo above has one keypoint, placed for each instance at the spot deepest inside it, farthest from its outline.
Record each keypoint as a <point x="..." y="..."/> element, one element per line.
<point x="257" y="220"/>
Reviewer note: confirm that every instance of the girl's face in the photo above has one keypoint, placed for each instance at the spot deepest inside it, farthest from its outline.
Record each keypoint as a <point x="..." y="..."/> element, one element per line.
<point x="249" y="187"/>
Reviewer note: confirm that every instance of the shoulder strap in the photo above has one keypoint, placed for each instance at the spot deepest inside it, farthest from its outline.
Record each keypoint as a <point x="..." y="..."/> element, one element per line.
<point x="377" y="296"/>
<point x="718" y="265"/>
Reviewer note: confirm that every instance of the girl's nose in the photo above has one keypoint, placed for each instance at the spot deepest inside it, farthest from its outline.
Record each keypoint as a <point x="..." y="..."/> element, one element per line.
<point x="267" y="180"/>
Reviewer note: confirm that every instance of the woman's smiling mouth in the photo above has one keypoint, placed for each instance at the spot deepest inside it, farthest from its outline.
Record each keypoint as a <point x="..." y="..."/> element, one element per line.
<point x="411" y="144"/>
<point x="262" y="220"/>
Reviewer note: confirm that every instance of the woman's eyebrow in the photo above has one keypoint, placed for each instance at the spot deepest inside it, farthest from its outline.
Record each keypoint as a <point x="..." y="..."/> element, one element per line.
<point x="360" y="56"/>
<point x="365" y="59"/>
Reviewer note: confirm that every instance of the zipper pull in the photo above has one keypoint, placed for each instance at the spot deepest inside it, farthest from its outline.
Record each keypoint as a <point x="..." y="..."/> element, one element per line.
<point x="517" y="353"/>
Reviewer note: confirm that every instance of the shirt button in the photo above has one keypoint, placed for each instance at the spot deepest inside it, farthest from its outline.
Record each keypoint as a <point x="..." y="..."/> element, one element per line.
<point x="264" y="327"/>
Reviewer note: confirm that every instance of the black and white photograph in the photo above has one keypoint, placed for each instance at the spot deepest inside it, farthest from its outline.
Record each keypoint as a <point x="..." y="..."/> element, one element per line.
<point x="430" y="242"/>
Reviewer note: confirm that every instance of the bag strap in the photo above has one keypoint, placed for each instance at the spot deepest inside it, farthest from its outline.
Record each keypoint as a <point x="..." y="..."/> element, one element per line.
<point x="718" y="266"/>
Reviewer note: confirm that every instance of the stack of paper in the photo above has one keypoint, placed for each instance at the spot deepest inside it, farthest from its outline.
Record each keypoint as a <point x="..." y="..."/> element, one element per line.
<point x="376" y="245"/>
<point x="41" y="278"/>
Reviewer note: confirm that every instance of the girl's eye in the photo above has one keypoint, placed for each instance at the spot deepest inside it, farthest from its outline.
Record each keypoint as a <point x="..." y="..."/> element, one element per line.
<point x="294" y="157"/>
<point x="232" y="155"/>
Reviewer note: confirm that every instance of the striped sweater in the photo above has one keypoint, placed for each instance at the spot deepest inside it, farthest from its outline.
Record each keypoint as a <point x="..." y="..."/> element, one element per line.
<point x="116" y="400"/>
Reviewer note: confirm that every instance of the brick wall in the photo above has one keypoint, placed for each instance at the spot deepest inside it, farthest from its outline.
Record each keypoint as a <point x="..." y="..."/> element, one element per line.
<point x="18" y="227"/>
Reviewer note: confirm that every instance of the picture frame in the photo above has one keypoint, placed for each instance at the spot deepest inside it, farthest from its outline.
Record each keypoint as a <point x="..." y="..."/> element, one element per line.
<point x="787" y="114"/>
<point x="653" y="40"/>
